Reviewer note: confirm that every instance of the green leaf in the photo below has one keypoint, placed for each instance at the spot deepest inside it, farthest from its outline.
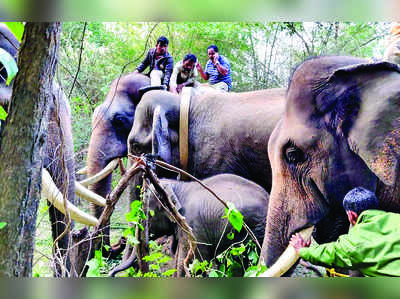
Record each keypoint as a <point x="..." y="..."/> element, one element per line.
<point x="3" y="113"/>
<point x="168" y="273"/>
<point x="222" y="268"/>
<point x="251" y="271"/>
<point x="253" y="256"/>
<point x="238" y="250"/>
<point x="213" y="273"/>
<point x="95" y="264"/>
<point x="234" y="216"/>
<point x="152" y="257"/>
<point x="2" y="225"/>
<point x="17" y="28"/>
<point x="9" y="63"/>
<point x="230" y="236"/>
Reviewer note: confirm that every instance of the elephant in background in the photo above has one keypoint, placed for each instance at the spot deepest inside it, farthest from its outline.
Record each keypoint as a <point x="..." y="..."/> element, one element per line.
<point x="58" y="157"/>
<point x="111" y="124"/>
<point x="340" y="130"/>
<point x="203" y="213"/>
<point x="228" y="132"/>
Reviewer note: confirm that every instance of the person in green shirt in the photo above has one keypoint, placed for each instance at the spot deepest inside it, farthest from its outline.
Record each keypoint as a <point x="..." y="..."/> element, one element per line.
<point x="372" y="245"/>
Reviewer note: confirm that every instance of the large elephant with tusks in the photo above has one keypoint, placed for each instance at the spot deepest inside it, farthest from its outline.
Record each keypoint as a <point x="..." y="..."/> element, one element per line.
<point x="227" y="132"/>
<point x="111" y="124"/>
<point x="340" y="130"/>
<point x="58" y="174"/>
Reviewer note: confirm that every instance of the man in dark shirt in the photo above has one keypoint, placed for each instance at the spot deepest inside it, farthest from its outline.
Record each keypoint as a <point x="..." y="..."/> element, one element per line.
<point x="160" y="62"/>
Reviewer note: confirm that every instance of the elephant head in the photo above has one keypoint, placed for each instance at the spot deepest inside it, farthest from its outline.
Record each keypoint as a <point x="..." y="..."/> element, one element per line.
<point x="340" y="130"/>
<point x="156" y="127"/>
<point x="227" y="132"/>
<point x="111" y="124"/>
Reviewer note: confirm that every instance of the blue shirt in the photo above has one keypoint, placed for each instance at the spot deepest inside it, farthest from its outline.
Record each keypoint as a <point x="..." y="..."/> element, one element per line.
<point x="215" y="76"/>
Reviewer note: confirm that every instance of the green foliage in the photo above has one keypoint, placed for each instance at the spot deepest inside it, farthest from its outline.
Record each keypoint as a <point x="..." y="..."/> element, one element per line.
<point x="238" y="260"/>
<point x="3" y="113"/>
<point x="3" y="225"/>
<point x="234" y="216"/>
<point x="95" y="264"/>
<point x="17" y="28"/>
<point x="157" y="263"/>
<point x="136" y="214"/>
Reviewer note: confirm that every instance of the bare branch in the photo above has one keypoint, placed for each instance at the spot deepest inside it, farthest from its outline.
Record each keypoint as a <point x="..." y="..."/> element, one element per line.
<point x="80" y="59"/>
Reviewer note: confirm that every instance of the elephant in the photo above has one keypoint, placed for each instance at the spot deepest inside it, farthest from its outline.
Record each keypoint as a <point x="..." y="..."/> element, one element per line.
<point x="228" y="132"/>
<point x="340" y="130"/>
<point x="111" y="124"/>
<point x="58" y="155"/>
<point x="203" y="213"/>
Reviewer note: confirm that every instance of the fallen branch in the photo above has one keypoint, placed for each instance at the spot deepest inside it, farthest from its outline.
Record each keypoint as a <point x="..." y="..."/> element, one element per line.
<point x="182" y="172"/>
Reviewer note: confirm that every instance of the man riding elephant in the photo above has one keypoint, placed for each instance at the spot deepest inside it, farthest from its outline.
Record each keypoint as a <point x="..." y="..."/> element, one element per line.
<point x="160" y="63"/>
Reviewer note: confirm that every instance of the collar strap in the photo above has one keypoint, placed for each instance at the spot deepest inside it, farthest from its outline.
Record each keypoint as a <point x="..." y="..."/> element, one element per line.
<point x="184" y="126"/>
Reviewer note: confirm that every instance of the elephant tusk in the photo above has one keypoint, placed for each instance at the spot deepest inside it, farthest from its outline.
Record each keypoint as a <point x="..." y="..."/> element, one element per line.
<point x="100" y="175"/>
<point x="85" y="193"/>
<point x="287" y="259"/>
<point x="54" y="196"/>
<point x="83" y="170"/>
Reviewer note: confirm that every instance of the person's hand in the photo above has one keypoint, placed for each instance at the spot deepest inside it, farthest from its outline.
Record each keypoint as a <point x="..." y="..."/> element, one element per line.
<point x="216" y="55"/>
<point x="179" y="88"/>
<point x="198" y="66"/>
<point x="297" y="242"/>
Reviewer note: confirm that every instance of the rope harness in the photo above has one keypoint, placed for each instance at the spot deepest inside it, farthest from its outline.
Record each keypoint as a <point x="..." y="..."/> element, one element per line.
<point x="332" y="273"/>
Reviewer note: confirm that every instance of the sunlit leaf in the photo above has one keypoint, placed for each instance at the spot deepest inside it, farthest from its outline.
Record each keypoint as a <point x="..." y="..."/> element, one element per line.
<point x="213" y="273"/>
<point x="169" y="273"/>
<point x="17" y="28"/>
<point x="234" y="216"/>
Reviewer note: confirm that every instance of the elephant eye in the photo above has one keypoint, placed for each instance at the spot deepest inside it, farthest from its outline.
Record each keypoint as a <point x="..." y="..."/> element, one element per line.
<point x="294" y="155"/>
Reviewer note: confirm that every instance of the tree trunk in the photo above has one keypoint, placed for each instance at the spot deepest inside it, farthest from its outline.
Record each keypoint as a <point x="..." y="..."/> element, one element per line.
<point x="22" y="146"/>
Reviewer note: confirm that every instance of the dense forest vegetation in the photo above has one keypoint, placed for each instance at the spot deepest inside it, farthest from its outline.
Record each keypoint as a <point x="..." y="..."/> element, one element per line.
<point x="262" y="55"/>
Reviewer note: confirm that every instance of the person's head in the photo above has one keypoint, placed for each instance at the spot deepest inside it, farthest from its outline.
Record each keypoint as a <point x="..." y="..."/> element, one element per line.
<point x="357" y="201"/>
<point x="189" y="61"/>
<point x="162" y="45"/>
<point x="211" y="50"/>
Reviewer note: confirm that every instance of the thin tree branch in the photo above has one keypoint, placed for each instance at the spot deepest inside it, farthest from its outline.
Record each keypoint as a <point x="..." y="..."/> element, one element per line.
<point x="80" y="59"/>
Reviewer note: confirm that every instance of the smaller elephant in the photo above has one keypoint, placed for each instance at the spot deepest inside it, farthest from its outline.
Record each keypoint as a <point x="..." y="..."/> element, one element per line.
<point x="203" y="213"/>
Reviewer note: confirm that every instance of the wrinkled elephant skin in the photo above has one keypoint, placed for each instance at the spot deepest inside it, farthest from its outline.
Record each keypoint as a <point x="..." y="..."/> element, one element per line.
<point x="203" y="213"/>
<point x="339" y="131"/>
<point x="228" y="132"/>
<point x="111" y="124"/>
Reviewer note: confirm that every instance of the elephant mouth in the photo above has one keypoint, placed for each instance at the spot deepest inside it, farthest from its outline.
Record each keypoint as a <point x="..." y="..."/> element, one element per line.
<point x="288" y="258"/>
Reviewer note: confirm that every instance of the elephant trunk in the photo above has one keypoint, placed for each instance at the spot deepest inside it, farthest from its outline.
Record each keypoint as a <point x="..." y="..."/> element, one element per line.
<point x="288" y="258"/>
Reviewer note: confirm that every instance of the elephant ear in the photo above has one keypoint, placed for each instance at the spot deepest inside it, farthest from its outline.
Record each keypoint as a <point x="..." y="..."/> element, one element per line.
<point x="172" y="196"/>
<point x="161" y="144"/>
<point x="362" y="103"/>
